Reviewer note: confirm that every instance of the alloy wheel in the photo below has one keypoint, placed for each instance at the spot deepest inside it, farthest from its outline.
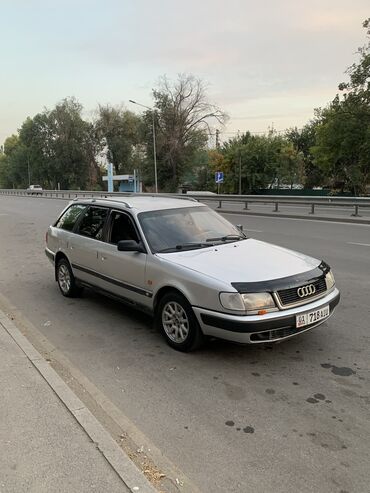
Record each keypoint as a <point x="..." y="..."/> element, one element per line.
<point x="64" y="278"/>
<point x="175" y="322"/>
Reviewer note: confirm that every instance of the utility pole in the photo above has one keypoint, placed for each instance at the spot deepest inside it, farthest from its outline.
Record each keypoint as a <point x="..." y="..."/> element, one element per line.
<point x="240" y="165"/>
<point x="240" y="173"/>
<point x="154" y="141"/>
<point x="29" y="173"/>
<point x="217" y="139"/>
<point x="154" y="153"/>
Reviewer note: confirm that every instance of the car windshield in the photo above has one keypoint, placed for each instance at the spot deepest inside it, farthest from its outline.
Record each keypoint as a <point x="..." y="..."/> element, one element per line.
<point x="186" y="228"/>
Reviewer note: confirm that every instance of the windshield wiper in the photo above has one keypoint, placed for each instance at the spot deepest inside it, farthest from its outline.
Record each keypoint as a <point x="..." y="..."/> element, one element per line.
<point x="228" y="238"/>
<point x="184" y="246"/>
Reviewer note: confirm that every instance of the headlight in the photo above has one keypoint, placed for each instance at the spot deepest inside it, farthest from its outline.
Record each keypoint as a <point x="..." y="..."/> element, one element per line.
<point x="330" y="281"/>
<point x="232" y="301"/>
<point x="248" y="302"/>
<point x="258" y="301"/>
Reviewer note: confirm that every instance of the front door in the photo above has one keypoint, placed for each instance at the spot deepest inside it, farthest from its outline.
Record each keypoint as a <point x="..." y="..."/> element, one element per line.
<point x="123" y="273"/>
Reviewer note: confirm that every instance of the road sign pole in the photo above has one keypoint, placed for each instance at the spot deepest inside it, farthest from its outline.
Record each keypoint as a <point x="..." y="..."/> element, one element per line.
<point x="219" y="178"/>
<point x="110" y="177"/>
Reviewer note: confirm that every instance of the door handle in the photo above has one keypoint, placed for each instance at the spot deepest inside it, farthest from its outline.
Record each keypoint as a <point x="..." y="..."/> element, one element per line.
<point x="103" y="258"/>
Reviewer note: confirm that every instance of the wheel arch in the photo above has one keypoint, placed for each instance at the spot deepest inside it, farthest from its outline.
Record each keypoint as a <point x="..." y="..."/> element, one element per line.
<point x="164" y="290"/>
<point x="59" y="255"/>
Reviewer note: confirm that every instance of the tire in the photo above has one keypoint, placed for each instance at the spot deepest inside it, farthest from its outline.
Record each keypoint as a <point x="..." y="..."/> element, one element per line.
<point x="66" y="280"/>
<point x="177" y="323"/>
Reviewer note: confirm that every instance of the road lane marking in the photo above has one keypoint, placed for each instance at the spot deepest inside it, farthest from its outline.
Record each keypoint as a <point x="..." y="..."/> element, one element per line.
<point x="3" y="214"/>
<point x="254" y="230"/>
<point x="361" y="244"/>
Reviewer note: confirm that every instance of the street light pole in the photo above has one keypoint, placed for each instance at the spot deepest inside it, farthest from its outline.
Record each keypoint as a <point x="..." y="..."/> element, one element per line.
<point x="155" y="156"/>
<point x="240" y="173"/>
<point x="154" y="143"/>
<point x="29" y="173"/>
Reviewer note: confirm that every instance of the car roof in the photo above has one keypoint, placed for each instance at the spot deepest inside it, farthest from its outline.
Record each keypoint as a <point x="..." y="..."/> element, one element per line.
<point x="143" y="203"/>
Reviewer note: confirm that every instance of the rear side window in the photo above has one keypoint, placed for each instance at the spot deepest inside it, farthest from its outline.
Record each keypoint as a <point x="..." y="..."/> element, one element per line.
<point x="70" y="217"/>
<point x="92" y="223"/>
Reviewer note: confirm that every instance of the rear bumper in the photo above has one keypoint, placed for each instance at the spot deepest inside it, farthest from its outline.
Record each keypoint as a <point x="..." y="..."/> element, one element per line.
<point x="254" y="329"/>
<point x="50" y="255"/>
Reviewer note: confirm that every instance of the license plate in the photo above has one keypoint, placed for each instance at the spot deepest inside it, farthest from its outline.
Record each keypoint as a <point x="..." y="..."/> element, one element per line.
<point x="312" y="317"/>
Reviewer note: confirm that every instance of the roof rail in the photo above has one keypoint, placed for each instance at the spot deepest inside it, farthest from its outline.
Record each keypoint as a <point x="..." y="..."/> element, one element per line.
<point x="94" y="199"/>
<point x="126" y="204"/>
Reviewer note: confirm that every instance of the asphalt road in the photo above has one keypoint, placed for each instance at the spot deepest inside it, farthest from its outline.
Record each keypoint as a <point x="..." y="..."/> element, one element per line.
<point x="291" y="418"/>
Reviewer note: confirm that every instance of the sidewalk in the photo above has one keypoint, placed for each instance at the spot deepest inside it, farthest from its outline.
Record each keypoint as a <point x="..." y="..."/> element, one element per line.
<point x="47" y="445"/>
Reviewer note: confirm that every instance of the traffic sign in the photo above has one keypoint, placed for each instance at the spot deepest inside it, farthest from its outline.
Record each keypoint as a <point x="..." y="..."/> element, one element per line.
<point x="219" y="177"/>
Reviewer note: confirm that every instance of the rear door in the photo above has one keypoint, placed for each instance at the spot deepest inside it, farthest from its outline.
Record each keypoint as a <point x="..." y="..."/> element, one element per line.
<point x="61" y="233"/>
<point x="84" y="243"/>
<point x="123" y="273"/>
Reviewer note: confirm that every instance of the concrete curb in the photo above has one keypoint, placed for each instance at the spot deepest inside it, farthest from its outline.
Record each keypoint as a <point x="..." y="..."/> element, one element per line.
<point x="348" y="220"/>
<point x="119" y="461"/>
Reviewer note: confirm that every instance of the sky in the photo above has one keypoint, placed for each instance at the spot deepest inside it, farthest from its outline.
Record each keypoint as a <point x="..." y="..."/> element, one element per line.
<point x="266" y="63"/>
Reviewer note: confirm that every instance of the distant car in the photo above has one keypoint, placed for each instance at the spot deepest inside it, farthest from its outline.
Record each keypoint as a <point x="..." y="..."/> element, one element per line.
<point x="34" y="190"/>
<point x="188" y="266"/>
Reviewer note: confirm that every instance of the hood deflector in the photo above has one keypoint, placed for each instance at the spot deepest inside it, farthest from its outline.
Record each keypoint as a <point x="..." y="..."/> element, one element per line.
<point x="282" y="283"/>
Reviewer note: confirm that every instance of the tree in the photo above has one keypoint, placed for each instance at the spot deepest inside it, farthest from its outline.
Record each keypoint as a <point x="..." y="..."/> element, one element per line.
<point x="55" y="148"/>
<point x="119" y="130"/>
<point x="183" y="116"/>
<point x="7" y="158"/>
<point x="260" y="161"/>
<point x="303" y="141"/>
<point x="342" y="147"/>
<point x="290" y="165"/>
<point x="68" y="141"/>
<point x="358" y="87"/>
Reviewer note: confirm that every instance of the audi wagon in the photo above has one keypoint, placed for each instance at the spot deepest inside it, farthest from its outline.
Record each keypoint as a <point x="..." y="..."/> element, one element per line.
<point x="194" y="271"/>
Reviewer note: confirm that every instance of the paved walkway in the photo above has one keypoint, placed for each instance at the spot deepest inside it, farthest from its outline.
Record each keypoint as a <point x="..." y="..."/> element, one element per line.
<point x="43" y="447"/>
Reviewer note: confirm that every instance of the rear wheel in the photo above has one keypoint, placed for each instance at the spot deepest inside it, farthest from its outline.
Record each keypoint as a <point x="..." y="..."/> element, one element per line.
<point x="66" y="280"/>
<point x="178" y="324"/>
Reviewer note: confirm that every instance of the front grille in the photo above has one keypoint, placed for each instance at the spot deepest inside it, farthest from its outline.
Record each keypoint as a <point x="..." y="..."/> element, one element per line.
<point x="290" y="296"/>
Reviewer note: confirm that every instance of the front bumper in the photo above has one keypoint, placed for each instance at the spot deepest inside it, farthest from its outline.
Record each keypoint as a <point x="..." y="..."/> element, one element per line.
<point x="256" y="329"/>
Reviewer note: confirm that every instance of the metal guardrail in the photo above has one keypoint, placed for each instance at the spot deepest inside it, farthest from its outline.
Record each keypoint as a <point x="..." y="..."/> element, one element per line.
<point x="312" y="202"/>
<point x="246" y="200"/>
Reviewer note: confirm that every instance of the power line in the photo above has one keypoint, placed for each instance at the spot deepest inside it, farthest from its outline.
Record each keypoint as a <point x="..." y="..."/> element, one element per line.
<point x="238" y="132"/>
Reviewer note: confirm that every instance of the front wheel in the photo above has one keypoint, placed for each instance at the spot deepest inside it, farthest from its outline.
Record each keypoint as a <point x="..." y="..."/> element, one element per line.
<point x="178" y="324"/>
<point x="66" y="280"/>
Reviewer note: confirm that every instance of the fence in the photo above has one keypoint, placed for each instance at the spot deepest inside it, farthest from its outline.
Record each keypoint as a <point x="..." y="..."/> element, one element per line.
<point x="312" y="202"/>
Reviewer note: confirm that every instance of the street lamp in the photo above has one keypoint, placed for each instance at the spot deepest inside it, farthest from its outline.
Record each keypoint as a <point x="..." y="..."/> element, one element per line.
<point x="28" y="169"/>
<point x="154" y="148"/>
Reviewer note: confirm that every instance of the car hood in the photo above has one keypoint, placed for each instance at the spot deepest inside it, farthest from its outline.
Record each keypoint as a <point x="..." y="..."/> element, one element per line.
<point x="244" y="261"/>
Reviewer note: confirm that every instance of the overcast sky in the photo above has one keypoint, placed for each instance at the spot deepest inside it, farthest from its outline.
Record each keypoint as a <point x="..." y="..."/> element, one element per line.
<point x="264" y="61"/>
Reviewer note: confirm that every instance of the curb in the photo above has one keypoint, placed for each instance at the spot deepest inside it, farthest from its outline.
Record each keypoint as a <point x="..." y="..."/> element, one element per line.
<point x="130" y="475"/>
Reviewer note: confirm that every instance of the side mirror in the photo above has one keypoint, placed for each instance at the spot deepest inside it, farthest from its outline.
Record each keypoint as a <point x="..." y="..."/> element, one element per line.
<point x="240" y="227"/>
<point x="130" y="246"/>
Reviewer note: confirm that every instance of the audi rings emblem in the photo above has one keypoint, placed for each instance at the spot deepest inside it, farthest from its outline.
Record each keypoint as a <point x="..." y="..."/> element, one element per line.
<point x="308" y="290"/>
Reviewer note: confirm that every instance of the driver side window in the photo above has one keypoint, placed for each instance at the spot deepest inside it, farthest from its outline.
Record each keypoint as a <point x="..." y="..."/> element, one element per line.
<point x="122" y="228"/>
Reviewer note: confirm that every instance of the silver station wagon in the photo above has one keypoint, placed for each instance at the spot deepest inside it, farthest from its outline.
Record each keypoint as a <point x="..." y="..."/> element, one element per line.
<point x="188" y="266"/>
